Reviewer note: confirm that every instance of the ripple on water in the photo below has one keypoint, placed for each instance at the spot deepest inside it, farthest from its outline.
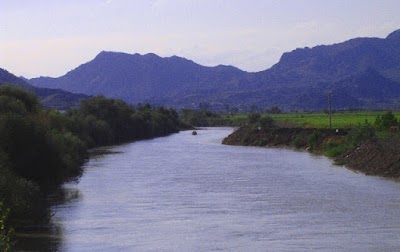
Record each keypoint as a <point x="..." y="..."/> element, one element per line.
<point x="190" y="193"/>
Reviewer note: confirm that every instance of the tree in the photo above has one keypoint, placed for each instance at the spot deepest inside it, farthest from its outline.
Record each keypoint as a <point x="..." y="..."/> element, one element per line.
<point x="19" y="95"/>
<point x="37" y="148"/>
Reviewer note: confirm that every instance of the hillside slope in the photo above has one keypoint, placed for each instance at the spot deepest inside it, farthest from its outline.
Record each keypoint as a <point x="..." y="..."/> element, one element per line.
<point x="148" y="78"/>
<point x="361" y="72"/>
<point x="50" y="98"/>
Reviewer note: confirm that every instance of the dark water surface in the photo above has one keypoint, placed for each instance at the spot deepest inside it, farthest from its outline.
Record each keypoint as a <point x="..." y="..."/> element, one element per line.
<point x="190" y="193"/>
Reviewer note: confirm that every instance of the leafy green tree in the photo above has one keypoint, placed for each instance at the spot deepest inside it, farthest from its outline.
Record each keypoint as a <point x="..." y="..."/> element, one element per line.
<point x="115" y="114"/>
<point x="110" y="121"/>
<point x="30" y="101"/>
<point x="199" y="118"/>
<point x="36" y="148"/>
<point x="41" y="149"/>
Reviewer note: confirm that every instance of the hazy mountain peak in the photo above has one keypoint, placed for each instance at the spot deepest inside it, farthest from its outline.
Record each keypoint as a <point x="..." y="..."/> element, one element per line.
<point x="394" y="35"/>
<point x="108" y="53"/>
<point x="151" y="55"/>
<point x="360" y="65"/>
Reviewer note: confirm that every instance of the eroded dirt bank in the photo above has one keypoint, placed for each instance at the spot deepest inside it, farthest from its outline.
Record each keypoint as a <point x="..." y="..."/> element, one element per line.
<point x="372" y="157"/>
<point x="379" y="158"/>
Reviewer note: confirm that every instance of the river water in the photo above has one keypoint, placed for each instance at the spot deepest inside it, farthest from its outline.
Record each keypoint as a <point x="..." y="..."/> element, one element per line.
<point x="191" y="193"/>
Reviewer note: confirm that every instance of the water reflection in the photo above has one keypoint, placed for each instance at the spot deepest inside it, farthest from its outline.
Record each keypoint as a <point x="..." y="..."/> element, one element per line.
<point x="40" y="238"/>
<point x="46" y="235"/>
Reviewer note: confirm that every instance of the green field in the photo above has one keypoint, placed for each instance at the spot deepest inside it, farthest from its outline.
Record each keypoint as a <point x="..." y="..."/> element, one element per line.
<point x="320" y="120"/>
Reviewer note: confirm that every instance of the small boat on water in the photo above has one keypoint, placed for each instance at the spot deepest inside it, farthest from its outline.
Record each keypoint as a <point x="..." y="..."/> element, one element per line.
<point x="194" y="132"/>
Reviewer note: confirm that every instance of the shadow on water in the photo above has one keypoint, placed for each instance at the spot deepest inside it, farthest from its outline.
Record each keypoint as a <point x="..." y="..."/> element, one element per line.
<point x="45" y="234"/>
<point x="102" y="151"/>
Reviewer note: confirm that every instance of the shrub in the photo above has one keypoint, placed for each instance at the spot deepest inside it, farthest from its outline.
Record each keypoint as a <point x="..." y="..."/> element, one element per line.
<point x="6" y="233"/>
<point x="297" y="142"/>
<point x="334" y="149"/>
<point x="386" y="121"/>
<point x="359" y="134"/>
<point x="253" y="118"/>
<point x="314" y="139"/>
<point x="266" y="122"/>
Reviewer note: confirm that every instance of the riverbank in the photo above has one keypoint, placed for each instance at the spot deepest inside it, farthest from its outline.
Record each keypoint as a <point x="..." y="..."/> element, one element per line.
<point x="42" y="149"/>
<point x="371" y="156"/>
<point x="377" y="158"/>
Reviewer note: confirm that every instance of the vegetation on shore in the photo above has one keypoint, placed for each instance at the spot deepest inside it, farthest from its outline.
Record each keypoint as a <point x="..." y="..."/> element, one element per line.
<point x="368" y="143"/>
<point x="342" y="119"/>
<point x="42" y="149"/>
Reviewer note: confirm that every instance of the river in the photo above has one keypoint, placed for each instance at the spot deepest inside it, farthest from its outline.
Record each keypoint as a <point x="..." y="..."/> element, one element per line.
<point x="191" y="193"/>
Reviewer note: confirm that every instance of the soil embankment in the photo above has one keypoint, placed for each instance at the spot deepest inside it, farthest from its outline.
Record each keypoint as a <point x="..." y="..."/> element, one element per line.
<point x="372" y="157"/>
<point x="299" y="138"/>
<point x="378" y="158"/>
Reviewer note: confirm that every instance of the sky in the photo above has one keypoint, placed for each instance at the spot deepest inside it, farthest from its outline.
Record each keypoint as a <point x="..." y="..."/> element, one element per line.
<point x="52" y="37"/>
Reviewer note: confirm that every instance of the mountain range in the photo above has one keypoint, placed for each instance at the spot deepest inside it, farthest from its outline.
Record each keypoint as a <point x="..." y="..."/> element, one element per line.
<point x="358" y="73"/>
<point x="50" y="98"/>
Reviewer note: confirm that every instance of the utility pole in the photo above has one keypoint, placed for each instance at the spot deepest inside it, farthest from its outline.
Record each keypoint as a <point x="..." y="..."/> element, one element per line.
<point x="330" y="109"/>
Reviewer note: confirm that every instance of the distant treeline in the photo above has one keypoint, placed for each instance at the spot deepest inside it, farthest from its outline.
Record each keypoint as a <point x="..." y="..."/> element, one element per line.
<point x="42" y="149"/>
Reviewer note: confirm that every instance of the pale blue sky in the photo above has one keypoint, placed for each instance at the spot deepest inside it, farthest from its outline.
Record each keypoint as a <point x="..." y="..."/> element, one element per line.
<point x="51" y="37"/>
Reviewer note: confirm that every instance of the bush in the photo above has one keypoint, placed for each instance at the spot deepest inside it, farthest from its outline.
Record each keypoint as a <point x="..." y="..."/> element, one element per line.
<point x="6" y="233"/>
<point x="334" y="149"/>
<point x="359" y="134"/>
<point x="353" y="138"/>
<point x="386" y="121"/>
<point x="297" y="142"/>
<point x="253" y="118"/>
<point x="266" y="122"/>
<point x="314" y="139"/>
